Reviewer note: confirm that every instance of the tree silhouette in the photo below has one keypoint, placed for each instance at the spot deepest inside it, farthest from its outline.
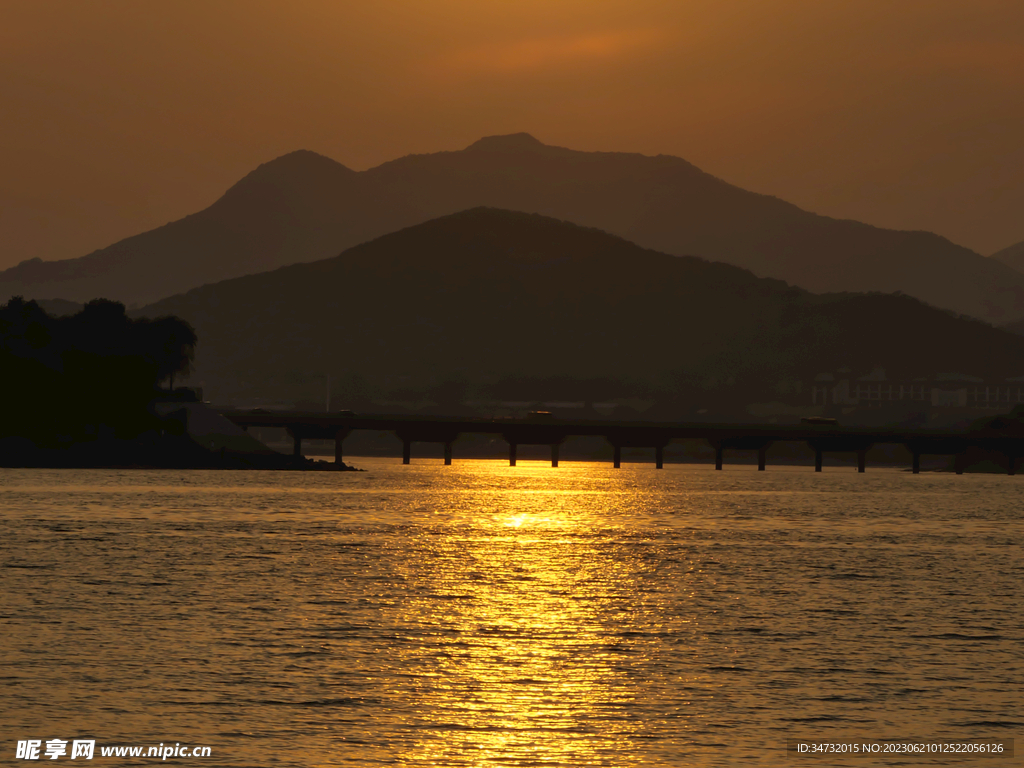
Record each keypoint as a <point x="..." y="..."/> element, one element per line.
<point x="71" y="378"/>
<point x="174" y="342"/>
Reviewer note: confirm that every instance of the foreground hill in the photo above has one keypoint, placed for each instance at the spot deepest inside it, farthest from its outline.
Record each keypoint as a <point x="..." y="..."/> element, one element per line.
<point x="486" y="294"/>
<point x="305" y="207"/>
<point x="1015" y="327"/>
<point x="1012" y="257"/>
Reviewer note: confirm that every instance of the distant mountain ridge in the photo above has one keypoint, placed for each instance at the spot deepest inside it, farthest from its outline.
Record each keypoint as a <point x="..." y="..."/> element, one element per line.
<point x="486" y="294"/>
<point x="298" y="207"/>
<point x="304" y="207"/>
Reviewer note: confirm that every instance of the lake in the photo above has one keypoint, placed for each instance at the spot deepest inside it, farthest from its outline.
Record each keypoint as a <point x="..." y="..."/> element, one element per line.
<point x="480" y="615"/>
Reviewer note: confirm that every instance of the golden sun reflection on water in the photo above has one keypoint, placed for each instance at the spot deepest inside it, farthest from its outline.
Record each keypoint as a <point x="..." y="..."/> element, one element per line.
<point x="519" y="661"/>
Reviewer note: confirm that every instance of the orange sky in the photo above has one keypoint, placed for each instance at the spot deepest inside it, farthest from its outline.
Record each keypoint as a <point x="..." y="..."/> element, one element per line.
<point x="120" y="116"/>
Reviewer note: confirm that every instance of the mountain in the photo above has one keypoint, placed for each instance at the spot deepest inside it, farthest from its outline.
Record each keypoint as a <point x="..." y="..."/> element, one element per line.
<point x="484" y="295"/>
<point x="1012" y="256"/>
<point x="300" y="207"/>
<point x="305" y="207"/>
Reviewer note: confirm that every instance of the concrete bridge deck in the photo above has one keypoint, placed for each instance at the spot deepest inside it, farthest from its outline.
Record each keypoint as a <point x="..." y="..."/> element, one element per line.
<point x="553" y="432"/>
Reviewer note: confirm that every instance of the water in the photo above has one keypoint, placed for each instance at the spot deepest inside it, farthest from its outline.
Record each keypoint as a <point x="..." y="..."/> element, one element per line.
<point x="480" y="615"/>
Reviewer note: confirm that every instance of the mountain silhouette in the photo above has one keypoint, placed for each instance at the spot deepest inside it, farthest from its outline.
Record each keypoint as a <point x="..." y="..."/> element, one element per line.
<point x="305" y="207"/>
<point x="486" y="294"/>
<point x="1012" y="256"/>
<point x="299" y="207"/>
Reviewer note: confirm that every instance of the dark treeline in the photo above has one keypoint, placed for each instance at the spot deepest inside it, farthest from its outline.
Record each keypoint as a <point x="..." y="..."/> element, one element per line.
<point x="93" y="374"/>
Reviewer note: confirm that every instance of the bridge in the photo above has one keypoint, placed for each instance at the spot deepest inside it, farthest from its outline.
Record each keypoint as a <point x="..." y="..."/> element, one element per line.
<point x="822" y="438"/>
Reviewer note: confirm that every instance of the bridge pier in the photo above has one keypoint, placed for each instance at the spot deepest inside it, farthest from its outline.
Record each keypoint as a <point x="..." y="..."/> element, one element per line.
<point x="1011" y="461"/>
<point x="958" y="463"/>
<point x="446" y="437"/>
<point x="653" y="438"/>
<point x="762" y="458"/>
<point x="296" y="442"/>
<point x="529" y="434"/>
<point x="339" y="439"/>
<point x="847" y="444"/>
<point x="916" y="465"/>
<point x="718" y="457"/>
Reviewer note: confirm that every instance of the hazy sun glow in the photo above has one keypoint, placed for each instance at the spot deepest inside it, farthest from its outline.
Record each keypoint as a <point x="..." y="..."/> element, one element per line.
<point x="542" y="54"/>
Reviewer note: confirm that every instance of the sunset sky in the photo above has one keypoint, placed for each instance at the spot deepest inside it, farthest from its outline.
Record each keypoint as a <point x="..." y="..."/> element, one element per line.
<point x="120" y="116"/>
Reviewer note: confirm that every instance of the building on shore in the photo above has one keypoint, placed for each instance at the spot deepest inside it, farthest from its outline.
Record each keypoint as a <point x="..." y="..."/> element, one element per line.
<point x="945" y="390"/>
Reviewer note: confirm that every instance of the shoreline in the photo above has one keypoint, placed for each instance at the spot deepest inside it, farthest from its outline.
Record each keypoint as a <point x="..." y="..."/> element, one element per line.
<point x="154" y="454"/>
